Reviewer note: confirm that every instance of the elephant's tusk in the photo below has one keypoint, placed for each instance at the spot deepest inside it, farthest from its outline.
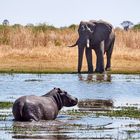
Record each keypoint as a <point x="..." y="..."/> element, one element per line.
<point x="88" y="43"/>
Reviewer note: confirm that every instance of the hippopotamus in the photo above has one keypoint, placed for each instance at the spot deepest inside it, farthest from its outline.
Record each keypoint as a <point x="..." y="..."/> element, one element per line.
<point x="45" y="107"/>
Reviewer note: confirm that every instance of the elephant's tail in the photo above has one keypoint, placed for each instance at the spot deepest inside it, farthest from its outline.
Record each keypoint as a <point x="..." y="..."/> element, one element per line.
<point x="111" y="45"/>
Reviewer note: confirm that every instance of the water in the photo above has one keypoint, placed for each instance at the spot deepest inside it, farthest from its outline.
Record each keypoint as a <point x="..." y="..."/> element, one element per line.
<point x="124" y="90"/>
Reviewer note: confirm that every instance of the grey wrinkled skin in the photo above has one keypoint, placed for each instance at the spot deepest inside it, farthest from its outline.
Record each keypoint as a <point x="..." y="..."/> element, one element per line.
<point x="99" y="36"/>
<point x="46" y="107"/>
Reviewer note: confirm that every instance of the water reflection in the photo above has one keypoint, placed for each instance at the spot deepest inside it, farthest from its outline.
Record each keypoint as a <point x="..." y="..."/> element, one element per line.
<point x="38" y="130"/>
<point x="86" y="127"/>
<point x="95" y="78"/>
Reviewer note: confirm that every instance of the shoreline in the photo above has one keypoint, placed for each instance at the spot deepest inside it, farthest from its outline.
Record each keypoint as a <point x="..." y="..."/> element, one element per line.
<point x="67" y="72"/>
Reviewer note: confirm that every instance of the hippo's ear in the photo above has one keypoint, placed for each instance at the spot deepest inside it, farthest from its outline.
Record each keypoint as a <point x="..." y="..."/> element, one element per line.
<point x="59" y="90"/>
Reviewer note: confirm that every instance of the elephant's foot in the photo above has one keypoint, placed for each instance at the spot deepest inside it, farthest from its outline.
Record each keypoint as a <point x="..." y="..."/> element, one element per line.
<point x="99" y="70"/>
<point x="108" y="68"/>
<point x="90" y="72"/>
<point x="90" y="69"/>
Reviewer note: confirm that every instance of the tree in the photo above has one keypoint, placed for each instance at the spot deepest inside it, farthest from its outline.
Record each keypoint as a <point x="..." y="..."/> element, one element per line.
<point x="29" y="25"/>
<point x="5" y="22"/>
<point x="73" y="26"/>
<point x="126" y="25"/>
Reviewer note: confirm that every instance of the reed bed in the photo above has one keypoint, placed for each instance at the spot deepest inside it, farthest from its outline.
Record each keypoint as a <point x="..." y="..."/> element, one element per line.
<point x="32" y="49"/>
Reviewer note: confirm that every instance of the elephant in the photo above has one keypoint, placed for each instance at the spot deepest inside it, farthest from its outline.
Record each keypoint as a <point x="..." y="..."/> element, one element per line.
<point x="45" y="107"/>
<point x="99" y="36"/>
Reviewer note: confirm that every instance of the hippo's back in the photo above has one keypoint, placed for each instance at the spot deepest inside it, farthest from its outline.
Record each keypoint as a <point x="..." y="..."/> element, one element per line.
<point x="28" y="108"/>
<point x="18" y="107"/>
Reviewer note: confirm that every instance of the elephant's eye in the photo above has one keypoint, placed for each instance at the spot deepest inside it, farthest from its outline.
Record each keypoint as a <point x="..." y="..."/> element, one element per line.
<point x="65" y="93"/>
<point x="83" y="27"/>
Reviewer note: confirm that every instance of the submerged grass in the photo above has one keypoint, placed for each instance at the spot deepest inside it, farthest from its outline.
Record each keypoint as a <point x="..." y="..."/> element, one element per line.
<point x="130" y="112"/>
<point x="3" y="117"/>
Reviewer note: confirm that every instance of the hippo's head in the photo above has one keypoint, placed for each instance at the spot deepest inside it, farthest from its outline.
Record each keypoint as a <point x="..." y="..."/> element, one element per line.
<point x="53" y="92"/>
<point x="68" y="100"/>
<point x="62" y="98"/>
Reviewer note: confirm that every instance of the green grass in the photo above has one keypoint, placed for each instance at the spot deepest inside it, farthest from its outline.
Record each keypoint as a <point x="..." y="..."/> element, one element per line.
<point x="130" y="112"/>
<point x="75" y="113"/>
<point x="4" y="105"/>
<point x="3" y="117"/>
<point x="61" y="71"/>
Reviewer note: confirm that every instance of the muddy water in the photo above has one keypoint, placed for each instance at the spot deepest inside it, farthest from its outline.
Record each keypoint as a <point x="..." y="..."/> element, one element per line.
<point x="123" y="90"/>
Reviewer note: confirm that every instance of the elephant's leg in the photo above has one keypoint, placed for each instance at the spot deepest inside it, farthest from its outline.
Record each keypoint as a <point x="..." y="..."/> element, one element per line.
<point x="108" y="55"/>
<point x="97" y="61"/>
<point x="100" y="58"/>
<point x="89" y="60"/>
<point x="80" y="57"/>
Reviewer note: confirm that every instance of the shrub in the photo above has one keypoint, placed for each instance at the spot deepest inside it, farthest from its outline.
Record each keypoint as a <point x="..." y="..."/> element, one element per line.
<point x="137" y="26"/>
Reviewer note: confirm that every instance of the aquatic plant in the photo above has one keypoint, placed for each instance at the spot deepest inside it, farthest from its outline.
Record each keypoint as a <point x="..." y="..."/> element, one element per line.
<point x="5" y="105"/>
<point x="95" y="103"/>
<point x="3" y="117"/>
<point x="131" y="112"/>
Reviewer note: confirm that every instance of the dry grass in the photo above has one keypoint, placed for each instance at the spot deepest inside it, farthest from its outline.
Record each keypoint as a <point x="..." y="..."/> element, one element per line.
<point x="46" y="51"/>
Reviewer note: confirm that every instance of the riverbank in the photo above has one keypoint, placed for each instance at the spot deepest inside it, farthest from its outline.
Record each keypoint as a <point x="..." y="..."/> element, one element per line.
<point x="62" y="60"/>
<point x="45" y="51"/>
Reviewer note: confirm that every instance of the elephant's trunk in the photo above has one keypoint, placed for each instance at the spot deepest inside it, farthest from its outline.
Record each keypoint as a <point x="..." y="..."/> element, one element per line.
<point x="80" y="57"/>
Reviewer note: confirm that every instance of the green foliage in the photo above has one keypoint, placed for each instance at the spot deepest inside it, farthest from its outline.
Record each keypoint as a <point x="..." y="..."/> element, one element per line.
<point x="16" y="26"/>
<point x="137" y="26"/>
<point x="43" y="28"/>
<point x="73" y="27"/>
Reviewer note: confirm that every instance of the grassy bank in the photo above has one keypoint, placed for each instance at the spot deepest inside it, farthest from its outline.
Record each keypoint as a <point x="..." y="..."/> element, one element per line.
<point x="43" y="50"/>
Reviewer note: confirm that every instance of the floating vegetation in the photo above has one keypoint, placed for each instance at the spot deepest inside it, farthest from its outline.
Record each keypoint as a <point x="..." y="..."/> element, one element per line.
<point x="22" y="130"/>
<point x="5" y="105"/>
<point x="75" y="112"/>
<point x="130" y="112"/>
<point x="33" y="80"/>
<point x="3" y="117"/>
<point x="96" y="103"/>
